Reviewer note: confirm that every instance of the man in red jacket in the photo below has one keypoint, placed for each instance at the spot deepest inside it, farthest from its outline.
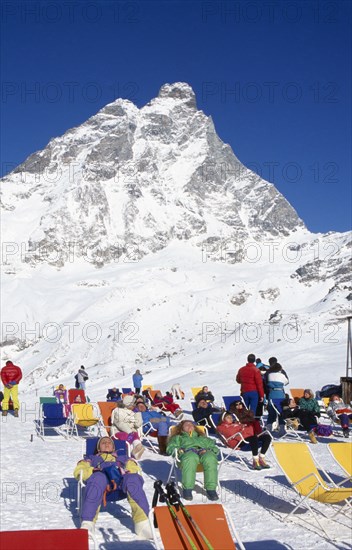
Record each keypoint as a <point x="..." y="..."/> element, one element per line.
<point x="252" y="389"/>
<point x="10" y="377"/>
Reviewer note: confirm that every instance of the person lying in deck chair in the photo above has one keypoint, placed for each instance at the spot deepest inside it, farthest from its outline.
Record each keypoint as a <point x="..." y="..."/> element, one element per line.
<point x="229" y="427"/>
<point x="194" y="448"/>
<point x="104" y="471"/>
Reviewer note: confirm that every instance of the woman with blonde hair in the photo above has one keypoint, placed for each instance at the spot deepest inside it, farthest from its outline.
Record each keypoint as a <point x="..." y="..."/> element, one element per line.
<point x="195" y="448"/>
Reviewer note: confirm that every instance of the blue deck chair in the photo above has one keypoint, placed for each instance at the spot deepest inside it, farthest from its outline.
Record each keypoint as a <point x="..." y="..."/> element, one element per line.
<point x="52" y="417"/>
<point x="228" y="399"/>
<point x="127" y="390"/>
<point x="123" y="449"/>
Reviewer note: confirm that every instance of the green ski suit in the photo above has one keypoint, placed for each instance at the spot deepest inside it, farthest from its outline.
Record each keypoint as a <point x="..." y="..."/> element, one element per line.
<point x="188" y="446"/>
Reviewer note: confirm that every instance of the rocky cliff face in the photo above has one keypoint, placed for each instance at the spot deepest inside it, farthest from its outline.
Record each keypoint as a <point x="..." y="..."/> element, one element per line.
<point x="129" y="181"/>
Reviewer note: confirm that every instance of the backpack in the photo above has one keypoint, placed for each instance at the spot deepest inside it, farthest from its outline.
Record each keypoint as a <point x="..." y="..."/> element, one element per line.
<point x="76" y="382"/>
<point x="323" y="430"/>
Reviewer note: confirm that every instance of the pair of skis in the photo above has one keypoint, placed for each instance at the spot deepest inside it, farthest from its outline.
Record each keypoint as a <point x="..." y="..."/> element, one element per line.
<point x="173" y="501"/>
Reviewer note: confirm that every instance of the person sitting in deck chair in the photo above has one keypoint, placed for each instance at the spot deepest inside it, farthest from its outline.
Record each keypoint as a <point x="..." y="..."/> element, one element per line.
<point x="245" y="416"/>
<point x="166" y="403"/>
<point x="61" y="394"/>
<point x="304" y="418"/>
<point x="105" y="472"/>
<point x="195" y="448"/>
<point x="125" y="424"/>
<point x="341" y="413"/>
<point x="205" y="394"/>
<point x="203" y="411"/>
<point x="230" y="429"/>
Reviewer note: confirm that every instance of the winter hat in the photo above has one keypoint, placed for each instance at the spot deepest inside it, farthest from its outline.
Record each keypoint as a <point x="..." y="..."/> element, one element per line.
<point x="128" y="400"/>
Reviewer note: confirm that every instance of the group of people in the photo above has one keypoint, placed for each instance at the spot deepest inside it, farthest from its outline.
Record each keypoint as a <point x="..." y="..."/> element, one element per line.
<point x="260" y="383"/>
<point x="135" y="414"/>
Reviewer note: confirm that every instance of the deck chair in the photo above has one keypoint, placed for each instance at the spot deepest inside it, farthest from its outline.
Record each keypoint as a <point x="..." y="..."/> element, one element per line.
<point x="126" y="391"/>
<point x="84" y="417"/>
<point x="297" y="464"/>
<point x="342" y="453"/>
<point x="231" y="451"/>
<point x="213" y="520"/>
<point x="48" y="539"/>
<point x="228" y="399"/>
<point x="47" y="400"/>
<point x="122" y="448"/>
<point x="106" y="408"/>
<point x="296" y="394"/>
<point x="195" y="391"/>
<point x="175" y="466"/>
<point x="73" y="394"/>
<point x="52" y="419"/>
<point x="290" y="430"/>
<point x="147" y="387"/>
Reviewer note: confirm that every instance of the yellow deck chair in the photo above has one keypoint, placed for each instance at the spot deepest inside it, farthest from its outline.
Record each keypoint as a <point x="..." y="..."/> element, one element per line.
<point x="83" y="415"/>
<point x="297" y="463"/>
<point x="195" y="391"/>
<point x="342" y="453"/>
<point x="147" y="387"/>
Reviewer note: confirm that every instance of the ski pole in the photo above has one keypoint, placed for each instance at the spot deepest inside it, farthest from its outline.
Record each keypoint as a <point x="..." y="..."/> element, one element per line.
<point x="174" y="498"/>
<point x="164" y="498"/>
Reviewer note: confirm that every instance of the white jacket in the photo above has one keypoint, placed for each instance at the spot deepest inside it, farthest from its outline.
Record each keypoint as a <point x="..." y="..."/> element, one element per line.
<point x="125" y="420"/>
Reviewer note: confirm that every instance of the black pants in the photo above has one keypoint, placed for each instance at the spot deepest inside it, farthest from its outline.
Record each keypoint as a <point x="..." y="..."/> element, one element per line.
<point x="255" y="441"/>
<point x="306" y="418"/>
<point x="137" y="390"/>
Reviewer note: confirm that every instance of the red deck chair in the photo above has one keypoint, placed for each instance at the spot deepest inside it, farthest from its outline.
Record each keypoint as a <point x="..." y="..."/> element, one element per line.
<point x="212" y="519"/>
<point x="73" y="394"/>
<point x="50" y="539"/>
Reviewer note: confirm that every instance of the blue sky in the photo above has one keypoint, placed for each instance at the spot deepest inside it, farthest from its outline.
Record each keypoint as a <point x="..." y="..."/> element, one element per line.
<point x="275" y="76"/>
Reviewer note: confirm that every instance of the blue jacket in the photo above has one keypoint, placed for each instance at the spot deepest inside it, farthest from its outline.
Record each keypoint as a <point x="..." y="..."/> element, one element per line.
<point x="137" y="380"/>
<point x="275" y="383"/>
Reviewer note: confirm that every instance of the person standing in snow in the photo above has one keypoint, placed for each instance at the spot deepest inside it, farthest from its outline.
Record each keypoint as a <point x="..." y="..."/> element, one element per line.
<point x="137" y="381"/>
<point x="105" y="472"/>
<point x="82" y="377"/>
<point x="11" y="375"/>
<point x="251" y="382"/>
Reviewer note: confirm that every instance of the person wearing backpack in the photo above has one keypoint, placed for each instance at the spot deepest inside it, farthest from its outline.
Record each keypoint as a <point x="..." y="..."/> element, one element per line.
<point x="82" y="377"/>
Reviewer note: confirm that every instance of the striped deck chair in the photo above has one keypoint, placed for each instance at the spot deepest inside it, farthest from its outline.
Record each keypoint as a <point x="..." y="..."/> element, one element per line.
<point x="342" y="453"/>
<point x="297" y="464"/>
<point x="213" y="520"/>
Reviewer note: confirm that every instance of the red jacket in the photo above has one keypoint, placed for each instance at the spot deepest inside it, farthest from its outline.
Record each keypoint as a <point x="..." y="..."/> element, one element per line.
<point x="10" y="373"/>
<point x="229" y="430"/>
<point x="250" y="379"/>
